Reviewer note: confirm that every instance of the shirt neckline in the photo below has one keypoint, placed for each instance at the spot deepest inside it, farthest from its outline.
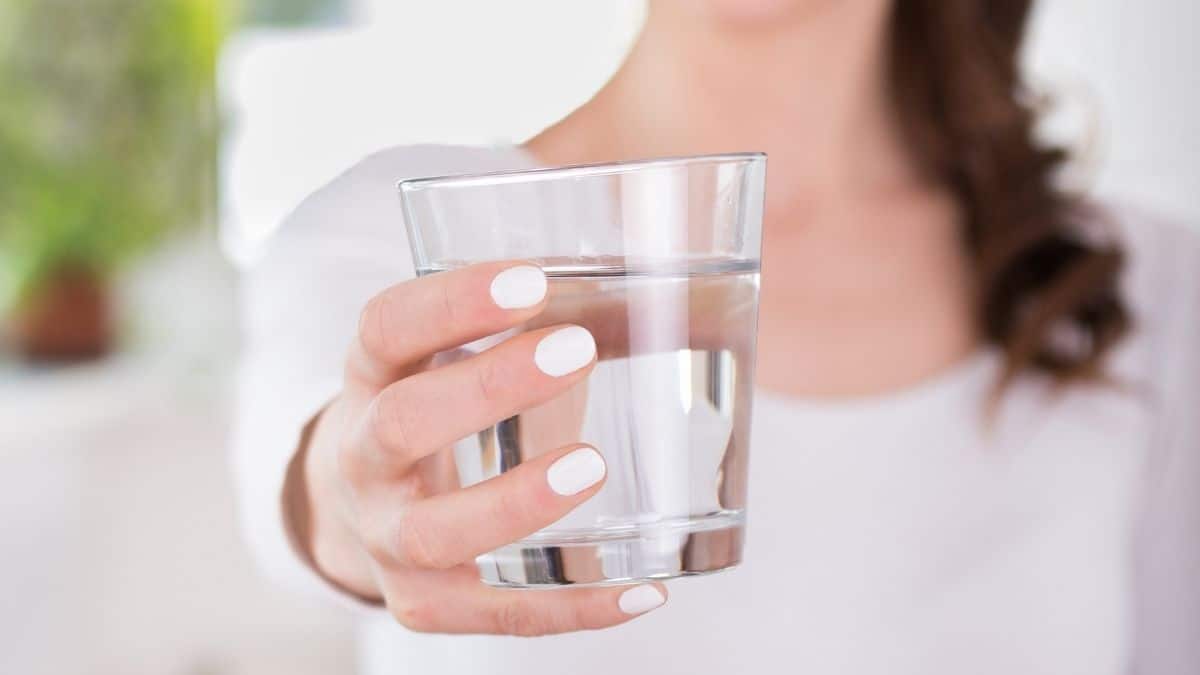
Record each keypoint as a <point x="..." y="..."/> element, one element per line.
<point x="967" y="379"/>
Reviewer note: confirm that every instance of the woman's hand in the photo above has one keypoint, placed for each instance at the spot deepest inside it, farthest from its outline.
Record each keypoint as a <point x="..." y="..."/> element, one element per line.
<point x="387" y="520"/>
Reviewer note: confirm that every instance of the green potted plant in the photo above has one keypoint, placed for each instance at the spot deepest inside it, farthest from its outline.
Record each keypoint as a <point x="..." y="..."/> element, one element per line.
<point x="107" y="144"/>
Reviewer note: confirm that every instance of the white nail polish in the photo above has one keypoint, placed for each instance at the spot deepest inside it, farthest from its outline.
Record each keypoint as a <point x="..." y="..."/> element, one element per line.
<point x="640" y="599"/>
<point x="565" y="351"/>
<point x="576" y="472"/>
<point x="519" y="287"/>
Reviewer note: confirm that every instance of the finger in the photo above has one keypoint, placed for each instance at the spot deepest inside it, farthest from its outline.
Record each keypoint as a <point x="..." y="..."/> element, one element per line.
<point x="428" y="411"/>
<point x="455" y="601"/>
<point x="453" y="528"/>
<point x="409" y="322"/>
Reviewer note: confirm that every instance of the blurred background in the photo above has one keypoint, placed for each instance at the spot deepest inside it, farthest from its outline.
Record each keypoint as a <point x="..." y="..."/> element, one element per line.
<point x="147" y="148"/>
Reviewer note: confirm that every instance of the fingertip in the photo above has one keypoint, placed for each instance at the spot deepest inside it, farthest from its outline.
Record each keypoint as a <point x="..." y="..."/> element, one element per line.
<point x="642" y="599"/>
<point x="565" y="350"/>
<point x="576" y="471"/>
<point x="520" y="286"/>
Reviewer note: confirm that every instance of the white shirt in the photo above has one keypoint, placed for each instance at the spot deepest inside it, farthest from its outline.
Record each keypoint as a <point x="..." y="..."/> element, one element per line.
<point x="893" y="534"/>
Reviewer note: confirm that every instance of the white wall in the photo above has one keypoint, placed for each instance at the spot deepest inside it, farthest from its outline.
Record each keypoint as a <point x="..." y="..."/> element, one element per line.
<point x="1131" y="67"/>
<point x="303" y="106"/>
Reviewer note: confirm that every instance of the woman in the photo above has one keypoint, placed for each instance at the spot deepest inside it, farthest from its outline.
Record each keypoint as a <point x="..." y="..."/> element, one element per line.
<point x="975" y="443"/>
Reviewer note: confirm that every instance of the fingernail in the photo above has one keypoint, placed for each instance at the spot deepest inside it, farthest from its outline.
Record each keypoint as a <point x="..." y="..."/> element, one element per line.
<point x="565" y="351"/>
<point x="576" y="472"/>
<point x="640" y="599"/>
<point x="519" y="287"/>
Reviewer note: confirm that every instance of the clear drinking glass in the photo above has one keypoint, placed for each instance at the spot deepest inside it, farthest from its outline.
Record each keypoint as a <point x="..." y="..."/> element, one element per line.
<point x="659" y="259"/>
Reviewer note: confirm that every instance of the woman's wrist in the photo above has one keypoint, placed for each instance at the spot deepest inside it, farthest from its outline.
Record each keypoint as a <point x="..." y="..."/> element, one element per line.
<point x="315" y="525"/>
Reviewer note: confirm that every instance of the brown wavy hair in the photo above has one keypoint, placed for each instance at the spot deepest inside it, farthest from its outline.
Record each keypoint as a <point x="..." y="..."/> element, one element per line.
<point x="1048" y="286"/>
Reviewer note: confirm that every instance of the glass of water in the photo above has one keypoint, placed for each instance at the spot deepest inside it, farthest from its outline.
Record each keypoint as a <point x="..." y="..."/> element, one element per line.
<point x="659" y="259"/>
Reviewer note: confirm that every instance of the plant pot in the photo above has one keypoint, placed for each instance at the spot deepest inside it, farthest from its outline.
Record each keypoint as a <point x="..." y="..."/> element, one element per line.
<point x="68" y="319"/>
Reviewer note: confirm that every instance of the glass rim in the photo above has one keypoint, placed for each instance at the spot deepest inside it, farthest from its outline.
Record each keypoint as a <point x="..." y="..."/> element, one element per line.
<point x="510" y="176"/>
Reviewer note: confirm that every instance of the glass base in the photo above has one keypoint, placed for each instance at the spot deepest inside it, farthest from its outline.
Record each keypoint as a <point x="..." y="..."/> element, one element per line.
<point x="658" y="551"/>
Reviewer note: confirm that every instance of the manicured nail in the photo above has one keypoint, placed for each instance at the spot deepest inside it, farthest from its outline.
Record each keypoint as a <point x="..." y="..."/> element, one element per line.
<point x="640" y="599"/>
<point x="519" y="287"/>
<point x="565" y="351"/>
<point x="576" y="472"/>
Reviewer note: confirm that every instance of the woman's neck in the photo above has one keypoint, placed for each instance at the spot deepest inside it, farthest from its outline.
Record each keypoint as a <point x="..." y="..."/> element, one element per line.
<point x="811" y="92"/>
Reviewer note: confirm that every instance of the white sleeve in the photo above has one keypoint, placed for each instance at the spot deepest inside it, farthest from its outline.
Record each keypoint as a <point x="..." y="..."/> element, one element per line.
<point x="301" y="302"/>
<point x="300" y="305"/>
<point x="1167" y="587"/>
